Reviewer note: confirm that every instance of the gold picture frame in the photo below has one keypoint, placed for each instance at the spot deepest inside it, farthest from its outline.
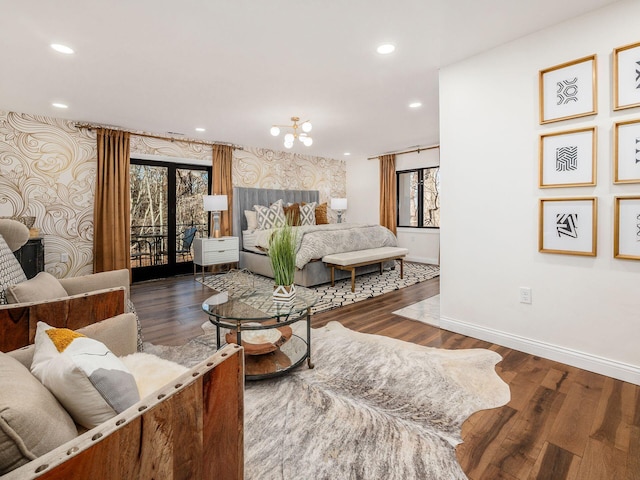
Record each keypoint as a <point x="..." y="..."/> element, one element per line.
<point x="568" y="90"/>
<point x="626" y="227"/>
<point x="626" y="81"/>
<point x="568" y="226"/>
<point x="626" y="151"/>
<point x="568" y="158"/>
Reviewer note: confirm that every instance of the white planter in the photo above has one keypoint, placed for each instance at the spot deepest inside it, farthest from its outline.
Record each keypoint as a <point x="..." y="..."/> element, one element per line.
<point x="284" y="293"/>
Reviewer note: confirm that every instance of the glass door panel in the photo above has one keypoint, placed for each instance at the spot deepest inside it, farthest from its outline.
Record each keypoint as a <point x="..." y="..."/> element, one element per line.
<point x="191" y="219"/>
<point x="149" y="214"/>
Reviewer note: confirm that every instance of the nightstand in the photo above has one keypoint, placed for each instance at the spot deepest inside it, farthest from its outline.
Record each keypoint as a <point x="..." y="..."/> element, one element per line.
<point x="214" y="251"/>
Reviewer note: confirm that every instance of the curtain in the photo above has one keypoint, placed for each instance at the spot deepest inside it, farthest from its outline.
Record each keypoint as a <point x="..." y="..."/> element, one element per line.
<point x="222" y="184"/>
<point x="111" y="212"/>
<point x="388" y="192"/>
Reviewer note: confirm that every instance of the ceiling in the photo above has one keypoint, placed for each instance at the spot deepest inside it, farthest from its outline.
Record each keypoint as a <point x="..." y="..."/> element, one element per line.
<point x="236" y="67"/>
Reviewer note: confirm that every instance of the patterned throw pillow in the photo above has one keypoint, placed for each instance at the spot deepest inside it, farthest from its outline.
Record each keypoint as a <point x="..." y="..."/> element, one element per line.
<point x="321" y="214"/>
<point x="11" y="272"/>
<point x="270" y="217"/>
<point x="308" y="214"/>
<point x="90" y="382"/>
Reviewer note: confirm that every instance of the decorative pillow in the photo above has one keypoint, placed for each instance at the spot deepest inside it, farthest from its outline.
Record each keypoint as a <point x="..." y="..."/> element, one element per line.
<point x="252" y="219"/>
<point x="87" y="379"/>
<point x="321" y="214"/>
<point x="43" y="286"/>
<point x="270" y="217"/>
<point x="10" y="270"/>
<point x="308" y="214"/>
<point x="292" y="214"/>
<point x="32" y="422"/>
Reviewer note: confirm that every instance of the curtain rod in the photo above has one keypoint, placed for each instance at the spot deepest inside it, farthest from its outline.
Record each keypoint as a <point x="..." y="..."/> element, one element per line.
<point x="419" y="149"/>
<point x="90" y="126"/>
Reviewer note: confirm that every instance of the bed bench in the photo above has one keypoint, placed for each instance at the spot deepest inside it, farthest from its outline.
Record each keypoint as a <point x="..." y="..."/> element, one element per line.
<point x="349" y="261"/>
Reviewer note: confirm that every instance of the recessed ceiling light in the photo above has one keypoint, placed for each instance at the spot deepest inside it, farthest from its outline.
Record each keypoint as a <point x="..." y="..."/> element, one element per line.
<point x="386" y="49"/>
<point x="346" y="154"/>
<point x="200" y="129"/>
<point x="62" y="48"/>
<point x="60" y="105"/>
<point x="415" y="105"/>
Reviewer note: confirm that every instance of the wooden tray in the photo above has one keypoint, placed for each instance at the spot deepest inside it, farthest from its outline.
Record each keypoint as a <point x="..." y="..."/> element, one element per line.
<point x="262" y="348"/>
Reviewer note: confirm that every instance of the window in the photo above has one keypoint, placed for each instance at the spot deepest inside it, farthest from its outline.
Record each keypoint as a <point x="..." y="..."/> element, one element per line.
<point x="419" y="198"/>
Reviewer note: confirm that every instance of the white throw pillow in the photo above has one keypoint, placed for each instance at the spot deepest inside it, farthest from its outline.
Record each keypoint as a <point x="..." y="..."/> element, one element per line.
<point x="90" y="382"/>
<point x="308" y="214"/>
<point x="252" y="219"/>
<point x="270" y="217"/>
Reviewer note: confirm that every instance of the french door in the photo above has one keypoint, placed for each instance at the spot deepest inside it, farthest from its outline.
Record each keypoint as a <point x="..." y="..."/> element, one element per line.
<point x="166" y="215"/>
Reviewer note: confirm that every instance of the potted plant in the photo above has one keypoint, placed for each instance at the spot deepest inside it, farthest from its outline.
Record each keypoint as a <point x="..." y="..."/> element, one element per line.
<point x="282" y="255"/>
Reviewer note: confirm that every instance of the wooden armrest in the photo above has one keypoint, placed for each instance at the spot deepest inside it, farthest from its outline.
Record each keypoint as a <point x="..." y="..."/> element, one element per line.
<point x="18" y="321"/>
<point x="190" y="429"/>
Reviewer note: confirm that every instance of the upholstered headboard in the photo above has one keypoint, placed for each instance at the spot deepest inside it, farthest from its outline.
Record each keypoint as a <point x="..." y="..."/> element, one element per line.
<point x="245" y="198"/>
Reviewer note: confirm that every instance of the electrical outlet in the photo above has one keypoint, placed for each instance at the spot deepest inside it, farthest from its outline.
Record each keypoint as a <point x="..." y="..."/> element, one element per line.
<point x="525" y="295"/>
<point x="64" y="257"/>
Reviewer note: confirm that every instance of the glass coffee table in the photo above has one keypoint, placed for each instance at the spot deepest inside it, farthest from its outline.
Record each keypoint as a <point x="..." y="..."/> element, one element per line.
<point x="273" y="335"/>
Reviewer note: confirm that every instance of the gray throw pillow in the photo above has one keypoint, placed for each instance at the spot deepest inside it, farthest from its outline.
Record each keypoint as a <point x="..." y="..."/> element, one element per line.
<point x="32" y="422"/>
<point x="43" y="286"/>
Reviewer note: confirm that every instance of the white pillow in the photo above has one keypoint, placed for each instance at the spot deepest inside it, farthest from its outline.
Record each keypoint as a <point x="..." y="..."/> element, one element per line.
<point x="270" y="217"/>
<point x="90" y="382"/>
<point x="252" y="219"/>
<point x="308" y="214"/>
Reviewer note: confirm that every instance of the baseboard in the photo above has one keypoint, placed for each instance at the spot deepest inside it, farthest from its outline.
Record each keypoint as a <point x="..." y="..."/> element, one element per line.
<point x="430" y="261"/>
<point x="586" y="361"/>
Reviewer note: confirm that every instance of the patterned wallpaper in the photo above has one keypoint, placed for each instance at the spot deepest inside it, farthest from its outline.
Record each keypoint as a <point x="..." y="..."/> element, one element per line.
<point x="48" y="167"/>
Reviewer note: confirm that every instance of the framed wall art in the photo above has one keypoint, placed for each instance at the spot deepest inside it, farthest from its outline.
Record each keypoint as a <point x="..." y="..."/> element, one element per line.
<point x="626" y="77"/>
<point x="568" y="90"/>
<point x="626" y="228"/>
<point x="568" y="159"/>
<point x="626" y="152"/>
<point x="568" y="226"/>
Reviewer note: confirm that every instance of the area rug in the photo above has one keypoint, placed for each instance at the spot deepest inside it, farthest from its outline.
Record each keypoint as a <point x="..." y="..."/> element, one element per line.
<point x="367" y="286"/>
<point x="372" y="408"/>
<point x="425" y="311"/>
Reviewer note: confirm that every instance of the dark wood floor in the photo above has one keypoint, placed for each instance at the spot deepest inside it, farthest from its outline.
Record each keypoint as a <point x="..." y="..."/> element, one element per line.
<point x="561" y="422"/>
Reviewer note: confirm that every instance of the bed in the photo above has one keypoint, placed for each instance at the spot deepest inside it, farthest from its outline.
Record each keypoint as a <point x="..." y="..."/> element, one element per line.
<point x="310" y="271"/>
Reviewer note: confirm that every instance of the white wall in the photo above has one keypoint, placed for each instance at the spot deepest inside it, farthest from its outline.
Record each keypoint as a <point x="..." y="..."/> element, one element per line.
<point x="363" y="191"/>
<point x="423" y="243"/>
<point x="585" y="310"/>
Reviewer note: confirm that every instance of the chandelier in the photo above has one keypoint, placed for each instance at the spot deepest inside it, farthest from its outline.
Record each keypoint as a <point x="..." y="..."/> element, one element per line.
<point x="290" y="138"/>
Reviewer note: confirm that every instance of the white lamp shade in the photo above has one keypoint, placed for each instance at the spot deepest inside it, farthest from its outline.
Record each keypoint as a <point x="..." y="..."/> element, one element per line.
<point x="275" y="131"/>
<point x="306" y="127"/>
<point x="338" y="204"/>
<point x="215" y="203"/>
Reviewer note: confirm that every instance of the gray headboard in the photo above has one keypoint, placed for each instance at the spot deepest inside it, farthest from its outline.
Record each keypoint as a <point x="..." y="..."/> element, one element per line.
<point x="245" y="198"/>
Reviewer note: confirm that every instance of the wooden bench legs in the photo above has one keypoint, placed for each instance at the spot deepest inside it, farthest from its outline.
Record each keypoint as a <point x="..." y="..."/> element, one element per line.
<point x="352" y="269"/>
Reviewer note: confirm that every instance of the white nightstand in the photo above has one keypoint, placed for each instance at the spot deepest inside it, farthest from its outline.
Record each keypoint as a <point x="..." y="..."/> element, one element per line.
<point x="214" y="251"/>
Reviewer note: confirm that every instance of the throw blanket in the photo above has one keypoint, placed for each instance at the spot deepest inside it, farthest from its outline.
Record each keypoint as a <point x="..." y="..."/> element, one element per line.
<point x="316" y="241"/>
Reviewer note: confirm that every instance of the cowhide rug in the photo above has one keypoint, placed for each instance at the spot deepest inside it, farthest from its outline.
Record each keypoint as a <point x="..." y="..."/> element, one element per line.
<point x="372" y="408"/>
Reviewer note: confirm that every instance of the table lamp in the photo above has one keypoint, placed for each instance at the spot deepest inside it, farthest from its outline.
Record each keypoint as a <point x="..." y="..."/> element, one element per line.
<point x="339" y="205"/>
<point x="215" y="204"/>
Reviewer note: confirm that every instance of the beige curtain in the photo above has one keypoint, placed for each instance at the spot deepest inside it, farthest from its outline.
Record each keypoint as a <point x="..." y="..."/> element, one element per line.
<point x="388" y="192"/>
<point x="222" y="184"/>
<point x="111" y="215"/>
